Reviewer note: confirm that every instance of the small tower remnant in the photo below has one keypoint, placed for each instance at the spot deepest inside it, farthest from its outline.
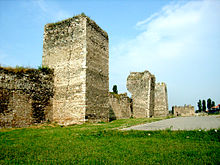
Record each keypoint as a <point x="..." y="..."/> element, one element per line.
<point x="77" y="50"/>
<point x="142" y="85"/>
<point x="160" y="101"/>
<point x="186" y="110"/>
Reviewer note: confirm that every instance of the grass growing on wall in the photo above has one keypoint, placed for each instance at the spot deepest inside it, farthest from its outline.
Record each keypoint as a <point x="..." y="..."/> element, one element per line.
<point x="17" y="69"/>
<point x="62" y="22"/>
<point x="23" y="70"/>
<point x="103" y="144"/>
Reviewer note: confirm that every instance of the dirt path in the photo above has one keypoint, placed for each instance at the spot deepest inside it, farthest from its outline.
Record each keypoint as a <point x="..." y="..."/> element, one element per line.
<point x="182" y="123"/>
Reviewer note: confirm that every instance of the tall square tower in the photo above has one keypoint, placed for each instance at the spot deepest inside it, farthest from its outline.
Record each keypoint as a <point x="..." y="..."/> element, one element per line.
<point x="77" y="50"/>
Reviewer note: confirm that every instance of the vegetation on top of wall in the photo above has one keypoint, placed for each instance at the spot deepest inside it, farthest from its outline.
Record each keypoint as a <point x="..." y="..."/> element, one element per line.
<point x="66" y="20"/>
<point x="23" y="70"/>
<point x="82" y="14"/>
<point x="115" y="95"/>
<point x="45" y="69"/>
<point x="119" y="96"/>
<point x="17" y="69"/>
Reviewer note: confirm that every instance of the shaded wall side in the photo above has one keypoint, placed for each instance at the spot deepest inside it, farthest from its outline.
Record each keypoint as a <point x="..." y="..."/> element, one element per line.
<point x="152" y="96"/>
<point x="25" y="98"/>
<point x="64" y="50"/>
<point x="120" y="106"/>
<point x="97" y="73"/>
<point x="161" y="101"/>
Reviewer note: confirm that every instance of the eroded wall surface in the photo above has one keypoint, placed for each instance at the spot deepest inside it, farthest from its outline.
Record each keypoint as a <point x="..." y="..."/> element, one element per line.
<point x="186" y="110"/>
<point x="161" y="101"/>
<point x="120" y="106"/>
<point x="97" y="73"/>
<point x="64" y="50"/>
<point x="25" y="97"/>
<point x="141" y="85"/>
<point x="77" y="50"/>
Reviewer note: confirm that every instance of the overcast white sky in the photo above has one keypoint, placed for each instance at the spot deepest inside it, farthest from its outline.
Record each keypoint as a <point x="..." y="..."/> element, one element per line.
<point x="177" y="41"/>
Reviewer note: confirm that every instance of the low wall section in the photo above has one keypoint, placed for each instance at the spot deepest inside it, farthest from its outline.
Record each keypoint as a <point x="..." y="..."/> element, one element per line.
<point x="186" y="110"/>
<point x="120" y="106"/>
<point x="25" y="96"/>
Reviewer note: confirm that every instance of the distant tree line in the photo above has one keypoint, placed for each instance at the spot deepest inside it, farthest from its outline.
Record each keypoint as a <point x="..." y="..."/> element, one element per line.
<point x="202" y="105"/>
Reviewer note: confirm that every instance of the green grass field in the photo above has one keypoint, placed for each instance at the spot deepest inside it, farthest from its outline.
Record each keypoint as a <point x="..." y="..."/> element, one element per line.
<point x="102" y="143"/>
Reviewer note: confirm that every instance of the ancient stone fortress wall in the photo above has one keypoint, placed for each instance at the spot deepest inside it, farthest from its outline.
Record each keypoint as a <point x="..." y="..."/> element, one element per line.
<point x="25" y="96"/>
<point x="141" y="85"/>
<point x="75" y="88"/>
<point x="120" y="106"/>
<point x="186" y="110"/>
<point x="160" y="101"/>
<point x="77" y="50"/>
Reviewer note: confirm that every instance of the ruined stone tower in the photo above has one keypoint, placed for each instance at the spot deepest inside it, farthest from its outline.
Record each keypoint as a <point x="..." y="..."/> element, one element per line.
<point x="141" y="85"/>
<point x="186" y="110"/>
<point x="161" y="101"/>
<point x="77" y="50"/>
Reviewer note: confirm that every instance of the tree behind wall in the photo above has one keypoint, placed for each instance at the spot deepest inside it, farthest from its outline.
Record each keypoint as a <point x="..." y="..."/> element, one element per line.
<point x="115" y="89"/>
<point x="200" y="105"/>
<point x="209" y="103"/>
<point x="203" y="105"/>
<point x="213" y="103"/>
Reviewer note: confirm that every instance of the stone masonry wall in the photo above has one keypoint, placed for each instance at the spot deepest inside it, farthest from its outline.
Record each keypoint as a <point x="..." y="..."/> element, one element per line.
<point x="77" y="50"/>
<point x="152" y="96"/>
<point x="186" y="110"/>
<point x="141" y="85"/>
<point x="97" y="73"/>
<point x="161" y="101"/>
<point x="25" y="96"/>
<point x="64" y="50"/>
<point x="120" y="106"/>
